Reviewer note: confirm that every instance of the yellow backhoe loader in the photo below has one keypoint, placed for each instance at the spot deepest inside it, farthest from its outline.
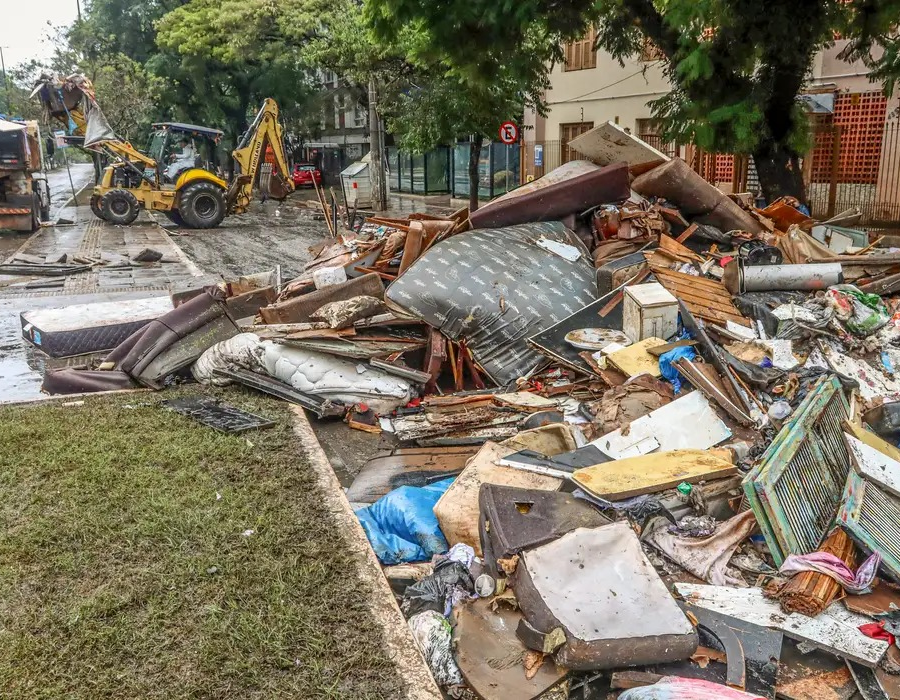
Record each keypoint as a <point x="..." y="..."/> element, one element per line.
<point x="178" y="175"/>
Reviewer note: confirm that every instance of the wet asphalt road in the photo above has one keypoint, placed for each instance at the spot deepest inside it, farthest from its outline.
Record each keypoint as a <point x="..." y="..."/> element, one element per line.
<point x="269" y="234"/>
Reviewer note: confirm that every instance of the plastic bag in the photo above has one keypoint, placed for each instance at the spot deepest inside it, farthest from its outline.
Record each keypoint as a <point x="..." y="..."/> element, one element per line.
<point x="667" y="369"/>
<point x="448" y="584"/>
<point x="432" y="634"/>
<point x="861" y="313"/>
<point x="401" y="526"/>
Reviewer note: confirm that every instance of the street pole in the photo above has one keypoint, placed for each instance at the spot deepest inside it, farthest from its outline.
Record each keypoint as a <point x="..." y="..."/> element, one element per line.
<point x="6" y="80"/>
<point x="78" y="5"/>
<point x="376" y="166"/>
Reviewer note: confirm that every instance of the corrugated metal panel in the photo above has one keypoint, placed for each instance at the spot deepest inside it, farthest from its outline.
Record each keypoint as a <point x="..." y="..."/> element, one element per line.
<point x="795" y="490"/>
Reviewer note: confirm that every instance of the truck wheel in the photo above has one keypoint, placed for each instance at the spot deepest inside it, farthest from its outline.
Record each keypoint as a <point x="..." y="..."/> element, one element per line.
<point x="120" y="207"/>
<point x="173" y="216"/>
<point x="35" y="212"/>
<point x="202" y="205"/>
<point x="97" y="206"/>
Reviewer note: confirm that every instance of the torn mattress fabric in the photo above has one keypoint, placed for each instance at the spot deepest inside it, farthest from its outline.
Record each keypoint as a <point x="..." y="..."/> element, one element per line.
<point x="495" y="288"/>
<point x="311" y="372"/>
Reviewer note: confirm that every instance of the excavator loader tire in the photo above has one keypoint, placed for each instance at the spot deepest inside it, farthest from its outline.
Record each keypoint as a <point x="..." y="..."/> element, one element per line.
<point x="96" y="206"/>
<point x="202" y="204"/>
<point x="120" y="207"/>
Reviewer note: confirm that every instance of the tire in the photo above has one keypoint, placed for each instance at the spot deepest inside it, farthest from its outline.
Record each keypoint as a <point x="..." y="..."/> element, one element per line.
<point x="174" y="217"/>
<point x="120" y="207"/>
<point x="97" y="206"/>
<point x="35" y="212"/>
<point x="202" y="205"/>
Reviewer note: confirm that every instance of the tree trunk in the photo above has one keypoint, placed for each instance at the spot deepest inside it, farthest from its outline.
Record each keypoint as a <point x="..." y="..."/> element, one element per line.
<point x="779" y="171"/>
<point x="474" y="157"/>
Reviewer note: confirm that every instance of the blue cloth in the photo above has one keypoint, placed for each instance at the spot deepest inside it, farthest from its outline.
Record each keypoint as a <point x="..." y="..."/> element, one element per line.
<point x="401" y="525"/>
<point x="668" y="370"/>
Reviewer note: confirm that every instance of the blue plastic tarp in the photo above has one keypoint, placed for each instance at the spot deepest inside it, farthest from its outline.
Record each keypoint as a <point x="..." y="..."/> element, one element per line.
<point x="402" y="527"/>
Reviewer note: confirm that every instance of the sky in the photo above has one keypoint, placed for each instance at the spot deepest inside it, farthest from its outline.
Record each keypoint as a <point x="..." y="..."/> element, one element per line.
<point x="24" y="26"/>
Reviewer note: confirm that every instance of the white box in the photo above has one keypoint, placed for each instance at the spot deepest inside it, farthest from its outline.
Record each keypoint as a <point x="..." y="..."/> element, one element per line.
<point x="649" y="311"/>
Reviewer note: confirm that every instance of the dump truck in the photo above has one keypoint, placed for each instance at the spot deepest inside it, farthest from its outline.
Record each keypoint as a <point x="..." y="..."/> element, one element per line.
<point x="24" y="192"/>
<point x="178" y="175"/>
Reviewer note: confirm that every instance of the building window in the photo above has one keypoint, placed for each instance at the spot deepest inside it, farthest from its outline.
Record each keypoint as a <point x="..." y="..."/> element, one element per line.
<point x="650" y="132"/>
<point x="581" y="54"/>
<point x="567" y="132"/>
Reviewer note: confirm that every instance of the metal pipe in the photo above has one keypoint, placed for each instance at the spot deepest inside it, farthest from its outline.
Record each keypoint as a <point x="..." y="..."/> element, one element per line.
<point x="764" y="278"/>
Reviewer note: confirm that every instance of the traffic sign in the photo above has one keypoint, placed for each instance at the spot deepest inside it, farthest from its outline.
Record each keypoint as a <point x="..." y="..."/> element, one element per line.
<point x="509" y="132"/>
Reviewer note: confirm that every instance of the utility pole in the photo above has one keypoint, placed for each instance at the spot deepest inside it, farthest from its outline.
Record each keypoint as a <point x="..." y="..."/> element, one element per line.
<point x="78" y="5"/>
<point x="376" y="166"/>
<point x="6" y="80"/>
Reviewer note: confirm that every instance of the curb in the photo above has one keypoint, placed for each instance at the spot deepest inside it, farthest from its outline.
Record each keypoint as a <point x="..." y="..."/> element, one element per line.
<point x="398" y="639"/>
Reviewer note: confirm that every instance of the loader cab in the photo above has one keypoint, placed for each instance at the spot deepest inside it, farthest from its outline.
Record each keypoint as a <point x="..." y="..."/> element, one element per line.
<point x="169" y="142"/>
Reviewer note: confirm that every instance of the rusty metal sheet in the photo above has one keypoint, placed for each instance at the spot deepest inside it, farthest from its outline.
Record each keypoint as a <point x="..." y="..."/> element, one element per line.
<point x="490" y="655"/>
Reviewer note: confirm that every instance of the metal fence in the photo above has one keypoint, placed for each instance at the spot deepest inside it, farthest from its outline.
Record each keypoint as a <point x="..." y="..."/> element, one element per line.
<point x="849" y="165"/>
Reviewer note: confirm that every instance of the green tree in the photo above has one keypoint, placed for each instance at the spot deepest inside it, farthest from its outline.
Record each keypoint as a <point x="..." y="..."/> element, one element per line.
<point x="736" y="68"/>
<point x="424" y="101"/>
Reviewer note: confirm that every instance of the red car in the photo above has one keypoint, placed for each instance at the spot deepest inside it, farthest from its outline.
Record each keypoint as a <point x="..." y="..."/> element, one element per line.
<point x="305" y="174"/>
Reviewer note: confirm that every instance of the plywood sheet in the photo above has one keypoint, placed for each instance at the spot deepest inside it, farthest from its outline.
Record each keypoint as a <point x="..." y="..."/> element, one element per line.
<point x="651" y="473"/>
<point x="835" y="630"/>
<point x="635" y="359"/>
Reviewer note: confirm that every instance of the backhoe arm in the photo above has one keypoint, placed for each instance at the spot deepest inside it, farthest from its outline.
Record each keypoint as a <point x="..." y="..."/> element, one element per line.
<point x="265" y="130"/>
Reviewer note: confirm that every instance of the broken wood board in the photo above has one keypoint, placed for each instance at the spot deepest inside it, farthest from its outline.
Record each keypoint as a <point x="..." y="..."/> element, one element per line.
<point x="491" y="657"/>
<point x="874" y="465"/>
<point x="610" y="143"/>
<point x="835" y="630"/>
<point x="635" y="359"/>
<point x="663" y="429"/>
<point x="814" y="675"/>
<point x="880" y="600"/>
<point x="407" y="467"/>
<point x="429" y="424"/>
<point x="651" y="473"/>
<point x="705" y="298"/>
<point x="357" y="349"/>
<point x="675" y="250"/>
<point x="457" y="509"/>
<point x="525" y="401"/>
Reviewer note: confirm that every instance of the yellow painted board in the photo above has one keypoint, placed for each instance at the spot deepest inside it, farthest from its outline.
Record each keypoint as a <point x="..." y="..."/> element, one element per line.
<point x="652" y="472"/>
<point x="635" y="359"/>
<point x="869" y="438"/>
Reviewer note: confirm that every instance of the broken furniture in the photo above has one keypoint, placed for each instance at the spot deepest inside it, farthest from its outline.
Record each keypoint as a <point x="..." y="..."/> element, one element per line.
<point x="598" y="586"/>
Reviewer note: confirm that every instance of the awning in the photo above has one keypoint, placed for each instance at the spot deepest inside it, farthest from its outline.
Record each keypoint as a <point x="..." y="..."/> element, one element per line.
<point x="6" y="125"/>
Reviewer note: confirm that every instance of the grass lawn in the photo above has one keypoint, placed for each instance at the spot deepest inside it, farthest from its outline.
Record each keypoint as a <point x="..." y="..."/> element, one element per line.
<point x="128" y="569"/>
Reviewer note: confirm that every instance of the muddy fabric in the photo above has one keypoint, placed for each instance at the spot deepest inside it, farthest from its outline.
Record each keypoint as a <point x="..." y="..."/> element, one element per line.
<point x="706" y="557"/>
<point x="623" y="404"/>
<point x="614" y="249"/>
<point x="495" y="288"/>
<point x="557" y="199"/>
<point x="76" y="381"/>
<point x="342" y="314"/>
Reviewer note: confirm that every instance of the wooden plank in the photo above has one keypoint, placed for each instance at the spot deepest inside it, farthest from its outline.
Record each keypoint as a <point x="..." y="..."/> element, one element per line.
<point x="834" y="630"/>
<point x="682" y="276"/>
<point x="674" y="247"/>
<point x="635" y="359"/>
<point x="651" y="473"/>
<point x="706" y="303"/>
<point x="687" y="233"/>
<point x="662" y="349"/>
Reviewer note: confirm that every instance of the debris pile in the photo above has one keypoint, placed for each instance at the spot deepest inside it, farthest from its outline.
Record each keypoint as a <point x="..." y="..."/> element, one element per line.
<point x="643" y="431"/>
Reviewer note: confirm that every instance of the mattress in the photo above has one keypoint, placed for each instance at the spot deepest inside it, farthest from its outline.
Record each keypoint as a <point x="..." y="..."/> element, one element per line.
<point x="84" y="328"/>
